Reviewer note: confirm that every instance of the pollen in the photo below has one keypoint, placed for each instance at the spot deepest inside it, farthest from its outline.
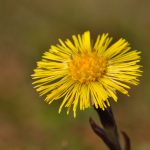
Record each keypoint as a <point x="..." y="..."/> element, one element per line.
<point x="87" y="67"/>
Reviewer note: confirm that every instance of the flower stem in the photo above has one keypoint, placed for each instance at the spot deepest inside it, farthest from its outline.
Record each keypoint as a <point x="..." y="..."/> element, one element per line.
<point x="109" y="132"/>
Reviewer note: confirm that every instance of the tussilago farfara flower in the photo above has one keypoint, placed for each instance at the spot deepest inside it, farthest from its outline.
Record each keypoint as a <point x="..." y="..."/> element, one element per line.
<point x="80" y="72"/>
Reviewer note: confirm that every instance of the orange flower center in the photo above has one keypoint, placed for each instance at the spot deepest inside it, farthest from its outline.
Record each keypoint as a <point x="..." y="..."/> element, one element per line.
<point x="87" y="67"/>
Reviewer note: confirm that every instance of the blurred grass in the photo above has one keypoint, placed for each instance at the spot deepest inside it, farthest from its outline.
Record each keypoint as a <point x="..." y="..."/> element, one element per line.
<point x="27" y="29"/>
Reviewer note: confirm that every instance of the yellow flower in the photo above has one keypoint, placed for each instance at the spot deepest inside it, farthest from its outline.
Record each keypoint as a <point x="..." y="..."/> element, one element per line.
<point x="81" y="72"/>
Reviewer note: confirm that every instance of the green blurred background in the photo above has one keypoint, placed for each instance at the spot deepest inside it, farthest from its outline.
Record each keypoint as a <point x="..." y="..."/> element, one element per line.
<point x="27" y="29"/>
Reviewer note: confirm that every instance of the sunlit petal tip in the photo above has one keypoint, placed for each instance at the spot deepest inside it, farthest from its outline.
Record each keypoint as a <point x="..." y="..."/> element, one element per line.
<point x="59" y="111"/>
<point x="68" y="112"/>
<point x="74" y="114"/>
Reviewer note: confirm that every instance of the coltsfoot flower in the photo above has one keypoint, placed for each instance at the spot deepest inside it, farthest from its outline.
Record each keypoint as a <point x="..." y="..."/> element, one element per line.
<point x="81" y="72"/>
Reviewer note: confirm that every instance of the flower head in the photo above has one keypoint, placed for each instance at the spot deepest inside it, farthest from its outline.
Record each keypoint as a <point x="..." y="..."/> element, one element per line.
<point x="80" y="72"/>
